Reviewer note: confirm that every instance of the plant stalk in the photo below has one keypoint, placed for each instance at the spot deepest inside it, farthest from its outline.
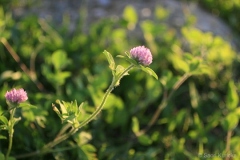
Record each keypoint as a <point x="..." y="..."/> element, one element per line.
<point x="10" y="132"/>
<point x="228" y="140"/>
<point x="61" y="137"/>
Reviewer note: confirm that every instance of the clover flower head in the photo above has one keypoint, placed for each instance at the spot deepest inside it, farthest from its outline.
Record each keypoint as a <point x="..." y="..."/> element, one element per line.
<point x="142" y="54"/>
<point x="16" y="95"/>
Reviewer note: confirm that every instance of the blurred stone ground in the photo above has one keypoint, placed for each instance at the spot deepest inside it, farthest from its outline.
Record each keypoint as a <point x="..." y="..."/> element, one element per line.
<point x="94" y="10"/>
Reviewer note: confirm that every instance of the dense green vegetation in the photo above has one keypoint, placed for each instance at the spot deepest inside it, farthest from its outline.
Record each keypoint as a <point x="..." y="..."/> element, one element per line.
<point x="196" y="93"/>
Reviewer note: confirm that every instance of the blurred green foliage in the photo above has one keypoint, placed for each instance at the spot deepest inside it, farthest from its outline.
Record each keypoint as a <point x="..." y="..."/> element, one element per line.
<point x="66" y="66"/>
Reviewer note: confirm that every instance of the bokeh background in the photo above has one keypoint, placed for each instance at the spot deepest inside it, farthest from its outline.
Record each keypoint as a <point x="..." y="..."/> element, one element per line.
<point x="53" y="49"/>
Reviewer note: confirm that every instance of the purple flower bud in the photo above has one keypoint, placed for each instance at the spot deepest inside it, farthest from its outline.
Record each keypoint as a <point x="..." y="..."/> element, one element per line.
<point x="142" y="55"/>
<point x="16" y="95"/>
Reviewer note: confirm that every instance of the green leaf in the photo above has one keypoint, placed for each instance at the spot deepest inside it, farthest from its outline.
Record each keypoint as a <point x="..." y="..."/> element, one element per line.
<point x="110" y="60"/>
<point x="165" y="79"/>
<point x="179" y="63"/>
<point x="2" y="137"/>
<point x="188" y="56"/>
<point x="135" y="125"/>
<point x="128" y="59"/>
<point x="55" y="109"/>
<point x="149" y="71"/>
<point x="171" y="126"/>
<point x="62" y="106"/>
<point x="145" y="140"/>
<point x="4" y="120"/>
<point x="83" y="138"/>
<point x="194" y="95"/>
<point x="70" y="119"/>
<point x="130" y="15"/>
<point x="235" y="144"/>
<point x="197" y="122"/>
<point x="59" y="59"/>
<point x="27" y="105"/>
<point x="230" y="121"/>
<point x="119" y="70"/>
<point x="193" y="134"/>
<point x="72" y="108"/>
<point x="194" y="64"/>
<point x="202" y="69"/>
<point x="161" y="12"/>
<point x="127" y="54"/>
<point x="120" y="56"/>
<point x="80" y="107"/>
<point x="89" y="151"/>
<point x="237" y="110"/>
<point x="232" y="96"/>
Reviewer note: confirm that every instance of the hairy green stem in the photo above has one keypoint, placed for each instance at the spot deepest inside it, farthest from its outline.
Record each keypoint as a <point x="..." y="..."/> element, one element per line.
<point x="61" y="137"/>
<point x="10" y="132"/>
<point x="109" y="90"/>
<point x="228" y="140"/>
